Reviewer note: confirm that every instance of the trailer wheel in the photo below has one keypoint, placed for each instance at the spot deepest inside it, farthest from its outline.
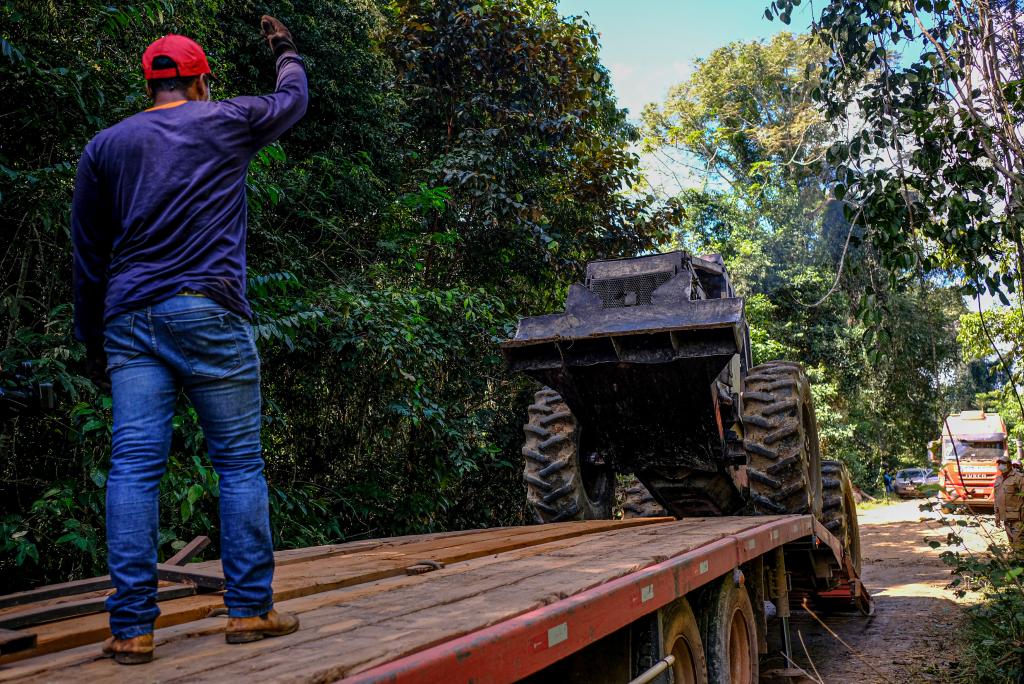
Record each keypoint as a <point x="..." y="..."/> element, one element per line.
<point x="781" y="440"/>
<point x="681" y="638"/>
<point x="563" y="480"/>
<point x="839" y="509"/>
<point x="730" y="634"/>
<point x="637" y="502"/>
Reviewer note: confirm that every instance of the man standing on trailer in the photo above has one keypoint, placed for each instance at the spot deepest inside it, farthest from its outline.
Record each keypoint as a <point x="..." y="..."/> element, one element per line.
<point x="159" y="232"/>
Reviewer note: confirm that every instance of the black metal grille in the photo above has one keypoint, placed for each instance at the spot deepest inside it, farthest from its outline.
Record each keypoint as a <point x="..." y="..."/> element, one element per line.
<point x="630" y="291"/>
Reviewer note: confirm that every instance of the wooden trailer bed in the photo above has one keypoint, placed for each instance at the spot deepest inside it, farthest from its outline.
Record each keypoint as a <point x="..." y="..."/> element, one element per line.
<point x="507" y="603"/>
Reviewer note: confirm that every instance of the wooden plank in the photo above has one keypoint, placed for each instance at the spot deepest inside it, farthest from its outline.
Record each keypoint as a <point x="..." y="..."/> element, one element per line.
<point x="438" y="539"/>
<point x="513" y="649"/>
<point x="317" y="603"/>
<point x="50" y="610"/>
<point x="324" y="574"/>
<point x="81" y="655"/>
<point x="12" y="641"/>
<point x="52" y="591"/>
<point x="92" y="584"/>
<point x="204" y="579"/>
<point x="95" y="595"/>
<point x="425" y="544"/>
<point x="336" y="640"/>
<point x="469" y="611"/>
<point x="52" y="613"/>
<point x="281" y="558"/>
<point x="85" y="654"/>
<point x="94" y="587"/>
<point x="193" y="548"/>
<point x="291" y="556"/>
<point x="12" y="610"/>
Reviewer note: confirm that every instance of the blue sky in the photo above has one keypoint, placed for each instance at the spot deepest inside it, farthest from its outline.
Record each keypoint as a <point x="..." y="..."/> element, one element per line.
<point x="649" y="45"/>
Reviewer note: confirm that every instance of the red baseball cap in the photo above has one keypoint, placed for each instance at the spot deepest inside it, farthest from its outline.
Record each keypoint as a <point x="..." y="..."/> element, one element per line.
<point x="185" y="52"/>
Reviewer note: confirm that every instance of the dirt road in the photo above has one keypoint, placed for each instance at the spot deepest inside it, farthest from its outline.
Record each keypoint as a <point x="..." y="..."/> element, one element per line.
<point x="912" y="636"/>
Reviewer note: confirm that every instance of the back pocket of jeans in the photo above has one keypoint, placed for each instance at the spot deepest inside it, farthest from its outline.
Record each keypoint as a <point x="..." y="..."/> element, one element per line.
<point x="207" y="343"/>
<point x="119" y="341"/>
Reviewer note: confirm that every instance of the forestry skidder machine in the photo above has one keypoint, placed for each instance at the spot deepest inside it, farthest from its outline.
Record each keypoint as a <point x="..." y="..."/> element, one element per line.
<point x="648" y="372"/>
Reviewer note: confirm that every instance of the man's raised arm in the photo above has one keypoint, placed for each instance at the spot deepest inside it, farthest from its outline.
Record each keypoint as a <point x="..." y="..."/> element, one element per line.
<point x="271" y="115"/>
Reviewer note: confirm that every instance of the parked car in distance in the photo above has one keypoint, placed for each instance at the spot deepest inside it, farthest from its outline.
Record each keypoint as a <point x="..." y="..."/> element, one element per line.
<point x="908" y="482"/>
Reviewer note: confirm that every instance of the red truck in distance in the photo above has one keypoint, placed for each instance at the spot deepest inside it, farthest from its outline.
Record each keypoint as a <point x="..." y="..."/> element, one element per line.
<point x="970" y="444"/>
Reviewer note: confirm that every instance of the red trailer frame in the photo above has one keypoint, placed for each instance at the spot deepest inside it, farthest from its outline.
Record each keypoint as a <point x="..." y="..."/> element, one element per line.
<point x="605" y="620"/>
<point x="516" y="648"/>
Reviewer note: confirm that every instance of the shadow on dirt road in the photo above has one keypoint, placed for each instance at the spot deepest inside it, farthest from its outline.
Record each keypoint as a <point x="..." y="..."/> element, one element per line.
<point x="912" y="636"/>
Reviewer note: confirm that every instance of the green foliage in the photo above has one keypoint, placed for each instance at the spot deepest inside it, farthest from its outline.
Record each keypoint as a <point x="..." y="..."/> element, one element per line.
<point x="747" y="123"/>
<point x="926" y="102"/>
<point x="995" y="333"/>
<point x="746" y="111"/>
<point x="761" y="317"/>
<point x="991" y="339"/>
<point x="994" y="636"/>
<point x="458" y="163"/>
<point x="928" y="96"/>
<point x="512" y="112"/>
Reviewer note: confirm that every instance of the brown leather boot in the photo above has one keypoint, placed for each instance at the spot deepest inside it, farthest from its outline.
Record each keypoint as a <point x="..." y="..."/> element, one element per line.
<point x="134" y="651"/>
<point x="272" y="624"/>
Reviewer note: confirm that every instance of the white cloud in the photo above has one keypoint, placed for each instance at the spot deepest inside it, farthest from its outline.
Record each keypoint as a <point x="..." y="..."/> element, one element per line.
<point x="636" y="85"/>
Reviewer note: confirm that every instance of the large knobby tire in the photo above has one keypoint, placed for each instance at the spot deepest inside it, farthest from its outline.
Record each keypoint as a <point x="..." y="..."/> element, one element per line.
<point x="729" y="631"/>
<point x="560" y="486"/>
<point x="637" y="502"/>
<point x="780" y="436"/>
<point x="839" y="509"/>
<point x="681" y="638"/>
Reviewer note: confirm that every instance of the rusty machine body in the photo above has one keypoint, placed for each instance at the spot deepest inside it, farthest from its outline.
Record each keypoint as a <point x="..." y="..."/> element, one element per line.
<point x="648" y="372"/>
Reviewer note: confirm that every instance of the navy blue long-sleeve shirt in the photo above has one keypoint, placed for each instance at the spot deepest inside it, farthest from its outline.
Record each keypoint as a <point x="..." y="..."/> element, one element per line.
<point x="160" y="202"/>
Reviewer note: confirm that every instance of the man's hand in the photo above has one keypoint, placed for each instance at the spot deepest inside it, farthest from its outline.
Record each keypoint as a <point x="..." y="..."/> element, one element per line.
<point x="279" y="38"/>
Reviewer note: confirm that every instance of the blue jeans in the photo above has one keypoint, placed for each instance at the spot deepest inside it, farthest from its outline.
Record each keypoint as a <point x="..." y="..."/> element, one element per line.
<point x="191" y="343"/>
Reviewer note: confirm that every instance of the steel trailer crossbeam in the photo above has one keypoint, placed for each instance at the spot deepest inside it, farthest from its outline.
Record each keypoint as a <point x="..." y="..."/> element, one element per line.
<point x="521" y="646"/>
